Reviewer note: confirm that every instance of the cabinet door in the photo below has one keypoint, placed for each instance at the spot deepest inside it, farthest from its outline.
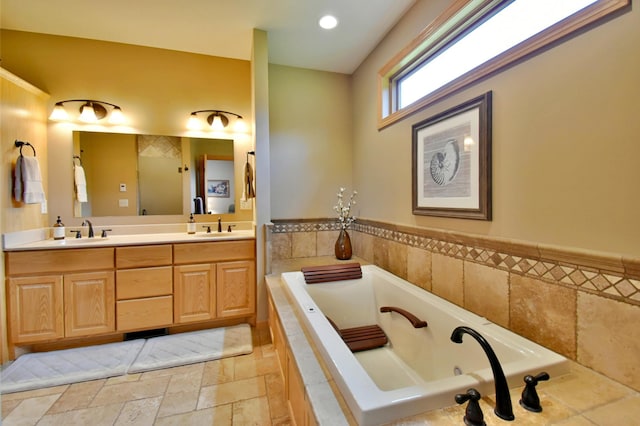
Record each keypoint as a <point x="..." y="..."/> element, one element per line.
<point x="236" y="289"/>
<point x="89" y="302"/>
<point x="194" y="297"/>
<point x="36" y="308"/>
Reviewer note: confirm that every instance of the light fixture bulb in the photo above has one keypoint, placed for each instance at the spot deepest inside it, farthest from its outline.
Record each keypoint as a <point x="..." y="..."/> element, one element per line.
<point x="59" y="113"/>
<point x="194" y="123"/>
<point x="328" y="22"/>
<point x="217" y="124"/>
<point x="240" y="126"/>
<point x="87" y="114"/>
<point x="116" y="116"/>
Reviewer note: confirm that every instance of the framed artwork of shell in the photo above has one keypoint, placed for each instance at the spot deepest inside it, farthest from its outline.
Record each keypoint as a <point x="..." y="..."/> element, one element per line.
<point x="451" y="162"/>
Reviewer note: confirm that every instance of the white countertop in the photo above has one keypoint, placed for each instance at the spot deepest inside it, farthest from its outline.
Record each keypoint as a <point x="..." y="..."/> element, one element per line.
<point x="39" y="239"/>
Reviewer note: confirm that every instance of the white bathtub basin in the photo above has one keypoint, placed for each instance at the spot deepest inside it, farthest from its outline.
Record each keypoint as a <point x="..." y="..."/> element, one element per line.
<point x="421" y="368"/>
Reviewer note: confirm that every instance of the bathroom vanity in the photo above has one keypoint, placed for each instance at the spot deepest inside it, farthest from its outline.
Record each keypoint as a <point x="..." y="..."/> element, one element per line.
<point x="88" y="288"/>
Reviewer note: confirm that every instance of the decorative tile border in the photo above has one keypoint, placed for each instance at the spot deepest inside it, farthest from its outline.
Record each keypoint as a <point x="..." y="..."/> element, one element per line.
<point x="589" y="272"/>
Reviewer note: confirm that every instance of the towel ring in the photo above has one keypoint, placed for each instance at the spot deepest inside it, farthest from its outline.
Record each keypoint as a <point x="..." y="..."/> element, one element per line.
<point x="20" y="144"/>
<point x="77" y="157"/>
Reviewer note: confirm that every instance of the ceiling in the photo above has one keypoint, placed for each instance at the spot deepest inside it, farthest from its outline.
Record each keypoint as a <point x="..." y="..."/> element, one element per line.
<point x="214" y="27"/>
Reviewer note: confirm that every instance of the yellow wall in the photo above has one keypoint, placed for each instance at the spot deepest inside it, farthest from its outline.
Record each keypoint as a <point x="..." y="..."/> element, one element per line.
<point x="156" y="88"/>
<point x="565" y="140"/>
<point x="100" y="152"/>
<point x="310" y="140"/>
<point x="22" y="117"/>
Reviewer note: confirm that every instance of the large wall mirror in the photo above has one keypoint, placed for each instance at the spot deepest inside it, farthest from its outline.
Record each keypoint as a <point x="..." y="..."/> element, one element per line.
<point x="133" y="175"/>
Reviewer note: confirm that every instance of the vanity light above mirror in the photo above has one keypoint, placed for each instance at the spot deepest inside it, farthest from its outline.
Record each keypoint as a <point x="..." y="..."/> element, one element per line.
<point x="91" y="111"/>
<point x="217" y="120"/>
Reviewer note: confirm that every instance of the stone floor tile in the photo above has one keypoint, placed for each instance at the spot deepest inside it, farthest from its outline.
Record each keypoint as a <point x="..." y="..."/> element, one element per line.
<point x="140" y="412"/>
<point x="97" y="416"/>
<point x="30" y="410"/>
<point x="219" y="416"/>
<point x="218" y="371"/>
<point x="226" y="393"/>
<point x="178" y="403"/>
<point x="128" y="391"/>
<point x="78" y="395"/>
<point x="275" y="393"/>
<point x="254" y="411"/>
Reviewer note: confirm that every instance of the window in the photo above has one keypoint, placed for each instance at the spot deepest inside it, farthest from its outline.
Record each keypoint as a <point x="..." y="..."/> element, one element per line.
<point x="474" y="38"/>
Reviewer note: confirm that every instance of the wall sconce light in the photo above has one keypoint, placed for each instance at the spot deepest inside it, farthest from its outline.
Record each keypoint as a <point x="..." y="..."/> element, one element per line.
<point x="217" y="120"/>
<point x="90" y="111"/>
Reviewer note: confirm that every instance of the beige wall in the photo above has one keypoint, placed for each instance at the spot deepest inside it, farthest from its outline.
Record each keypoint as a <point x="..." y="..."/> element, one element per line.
<point x="565" y="141"/>
<point x="156" y="88"/>
<point x="310" y="140"/>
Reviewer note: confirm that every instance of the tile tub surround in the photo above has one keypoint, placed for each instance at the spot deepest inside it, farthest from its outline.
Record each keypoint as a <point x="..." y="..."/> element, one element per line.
<point x="574" y="302"/>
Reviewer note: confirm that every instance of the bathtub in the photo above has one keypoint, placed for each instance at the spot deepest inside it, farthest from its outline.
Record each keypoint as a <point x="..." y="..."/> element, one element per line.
<point x="419" y="369"/>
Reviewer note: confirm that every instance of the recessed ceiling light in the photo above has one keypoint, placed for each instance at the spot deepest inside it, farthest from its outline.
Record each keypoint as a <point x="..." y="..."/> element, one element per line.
<point x="328" y="22"/>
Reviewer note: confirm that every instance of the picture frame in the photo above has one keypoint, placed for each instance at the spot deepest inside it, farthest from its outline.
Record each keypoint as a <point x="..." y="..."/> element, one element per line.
<point x="218" y="188"/>
<point x="451" y="162"/>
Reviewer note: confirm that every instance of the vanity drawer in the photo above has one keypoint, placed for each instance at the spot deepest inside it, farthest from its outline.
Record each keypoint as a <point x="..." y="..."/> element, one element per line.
<point x="213" y="251"/>
<point x="137" y="314"/>
<point x="141" y="256"/>
<point x="144" y="282"/>
<point x="63" y="261"/>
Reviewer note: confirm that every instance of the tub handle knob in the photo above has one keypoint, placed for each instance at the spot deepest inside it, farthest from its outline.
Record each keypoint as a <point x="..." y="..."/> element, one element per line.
<point x="530" y="400"/>
<point x="473" y="414"/>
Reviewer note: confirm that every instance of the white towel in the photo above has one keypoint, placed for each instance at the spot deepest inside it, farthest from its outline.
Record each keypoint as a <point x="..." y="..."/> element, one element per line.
<point x="28" y="185"/>
<point x="81" y="183"/>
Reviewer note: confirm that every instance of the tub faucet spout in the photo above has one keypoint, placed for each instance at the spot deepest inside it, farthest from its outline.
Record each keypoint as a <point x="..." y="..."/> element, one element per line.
<point x="503" y="408"/>
<point x="86" y="222"/>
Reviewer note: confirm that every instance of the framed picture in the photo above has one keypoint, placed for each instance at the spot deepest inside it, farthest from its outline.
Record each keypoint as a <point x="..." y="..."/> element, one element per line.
<point x="218" y="188"/>
<point x="451" y="169"/>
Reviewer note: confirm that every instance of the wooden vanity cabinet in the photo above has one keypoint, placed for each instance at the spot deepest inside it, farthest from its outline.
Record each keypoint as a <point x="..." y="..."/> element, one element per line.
<point x="36" y="309"/>
<point x="214" y="280"/>
<point x="144" y="287"/>
<point x="59" y="293"/>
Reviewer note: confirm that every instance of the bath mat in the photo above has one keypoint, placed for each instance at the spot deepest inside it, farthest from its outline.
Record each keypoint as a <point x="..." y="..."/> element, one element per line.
<point x="45" y="369"/>
<point x="189" y="348"/>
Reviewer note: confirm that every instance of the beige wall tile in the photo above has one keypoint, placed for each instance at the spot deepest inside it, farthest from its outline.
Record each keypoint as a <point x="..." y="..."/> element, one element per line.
<point x="398" y="259"/>
<point x="544" y="313"/>
<point x="486" y="292"/>
<point x="381" y="252"/>
<point x="446" y="274"/>
<point x="609" y="338"/>
<point x="363" y="246"/>
<point x="326" y="242"/>
<point x="303" y="244"/>
<point x="281" y="245"/>
<point x="419" y="267"/>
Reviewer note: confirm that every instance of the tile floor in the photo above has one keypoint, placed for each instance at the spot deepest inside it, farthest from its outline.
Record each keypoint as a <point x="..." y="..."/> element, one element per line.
<point x="243" y="390"/>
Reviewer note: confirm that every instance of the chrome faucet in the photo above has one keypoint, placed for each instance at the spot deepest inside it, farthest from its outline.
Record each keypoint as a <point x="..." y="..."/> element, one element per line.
<point x="503" y="408"/>
<point x="85" y="223"/>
